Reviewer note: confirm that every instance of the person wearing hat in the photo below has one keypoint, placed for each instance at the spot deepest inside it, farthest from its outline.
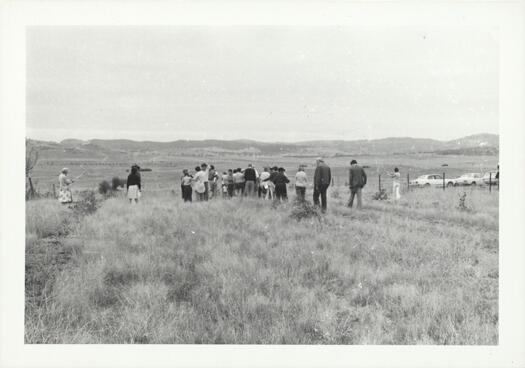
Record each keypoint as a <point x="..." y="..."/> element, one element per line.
<point x="133" y="185"/>
<point x="322" y="180"/>
<point x="356" y="180"/>
<point x="185" y="184"/>
<point x="64" y="192"/>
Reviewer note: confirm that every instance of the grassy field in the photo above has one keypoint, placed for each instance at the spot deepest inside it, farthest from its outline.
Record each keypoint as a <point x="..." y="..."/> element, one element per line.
<point x="246" y="272"/>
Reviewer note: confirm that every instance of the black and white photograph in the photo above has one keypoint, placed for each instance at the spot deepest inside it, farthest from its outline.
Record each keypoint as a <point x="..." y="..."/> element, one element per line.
<point x="285" y="184"/>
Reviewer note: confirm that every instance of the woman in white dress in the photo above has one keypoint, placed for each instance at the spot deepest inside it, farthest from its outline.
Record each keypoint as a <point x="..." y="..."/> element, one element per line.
<point x="396" y="184"/>
<point x="64" y="192"/>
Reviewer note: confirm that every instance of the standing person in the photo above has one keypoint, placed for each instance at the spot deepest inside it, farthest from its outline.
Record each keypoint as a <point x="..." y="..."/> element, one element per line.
<point x="205" y="177"/>
<point x="263" y="183"/>
<point x="301" y="180"/>
<point x="250" y="177"/>
<point x="322" y="180"/>
<point x="396" y="184"/>
<point x="224" y="184"/>
<point x="198" y="183"/>
<point x="280" y="180"/>
<point x="231" y="183"/>
<point x="213" y="178"/>
<point x="238" y="181"/>
<point x="271" y="183"/>
<point x="133" y="185"/>
<point x="357" y="180"/>
<point x="185" y="184"/>
<point x="64" y="192"/>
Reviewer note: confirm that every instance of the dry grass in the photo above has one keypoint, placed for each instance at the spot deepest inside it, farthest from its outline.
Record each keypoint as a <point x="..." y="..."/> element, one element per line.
<point x="229" y="271"/>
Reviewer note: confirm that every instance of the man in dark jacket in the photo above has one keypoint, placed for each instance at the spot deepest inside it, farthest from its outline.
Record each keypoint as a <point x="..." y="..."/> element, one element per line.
<point x="357" y="180"/>
<point x="322" y="180"/>
<point x="280" y="180"/>
<point x="250" y="176"/>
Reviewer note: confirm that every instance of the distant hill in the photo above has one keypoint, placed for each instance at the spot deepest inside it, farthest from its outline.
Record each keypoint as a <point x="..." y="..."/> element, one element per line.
<point x="114" y="149"/>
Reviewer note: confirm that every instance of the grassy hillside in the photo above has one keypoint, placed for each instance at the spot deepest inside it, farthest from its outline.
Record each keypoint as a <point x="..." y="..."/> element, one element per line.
<point x="231" y="271"/>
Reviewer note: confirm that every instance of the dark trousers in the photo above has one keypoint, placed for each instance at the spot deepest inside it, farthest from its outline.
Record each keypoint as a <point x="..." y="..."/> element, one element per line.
<point x="231" y="187"/>
<point x="353" y="192"/>
<point x="207" y="190"/>
<point x="280" y="192"/>
<point x="186" y="193"/>
<point x="320" y="190"/>
<point x="300" y="191"/>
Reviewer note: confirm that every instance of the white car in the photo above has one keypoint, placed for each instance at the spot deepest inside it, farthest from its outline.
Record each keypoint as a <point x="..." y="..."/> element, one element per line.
<point x="431" y="180"/>
<point x="491" y="175"/>
<point x="469" y="179"/>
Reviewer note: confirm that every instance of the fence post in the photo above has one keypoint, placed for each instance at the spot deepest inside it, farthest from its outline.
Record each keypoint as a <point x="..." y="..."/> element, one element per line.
<point x="408" y="182"/>
<point x="490" y="182"/>
<point x="379" y="182"/>
<point x="54" y="192"/>
<point x="443" y="181"/>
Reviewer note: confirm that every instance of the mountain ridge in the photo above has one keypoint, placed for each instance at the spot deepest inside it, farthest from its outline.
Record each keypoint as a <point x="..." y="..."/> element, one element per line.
<point x="483" y="143"/>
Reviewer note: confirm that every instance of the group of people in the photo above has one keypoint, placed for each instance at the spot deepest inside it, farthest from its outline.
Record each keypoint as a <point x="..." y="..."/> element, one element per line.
<point x="208" y="184"/>
<point x="271" y="183"/>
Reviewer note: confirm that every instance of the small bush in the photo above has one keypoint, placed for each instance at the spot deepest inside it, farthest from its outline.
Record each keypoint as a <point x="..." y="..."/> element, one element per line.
<point x="304" y="210"/>
<point x="117" y="182"/>
<point x="87" y="205"/>
<point x="380" y="195"/>
<point x="104" y="187"/>
<point x="461" y="205"/>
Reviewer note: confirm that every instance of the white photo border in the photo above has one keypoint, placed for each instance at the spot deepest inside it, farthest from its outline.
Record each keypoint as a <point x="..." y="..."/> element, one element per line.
<point x="507" y="16"/>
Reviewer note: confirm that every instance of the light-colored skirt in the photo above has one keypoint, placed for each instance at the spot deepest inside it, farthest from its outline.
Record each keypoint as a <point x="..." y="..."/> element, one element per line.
<point x="133" y="192"/>
<point x="64" y="195"/>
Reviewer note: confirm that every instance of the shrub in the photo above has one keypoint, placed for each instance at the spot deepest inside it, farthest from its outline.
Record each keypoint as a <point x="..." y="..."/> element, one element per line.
<point x="380" y="196"/>
<point x="304" y="210"/>
<point x="117" y="182"/>
<point x="104" y="187"/>
<point x="461" y="205"/>
<point x="88" y="203"/>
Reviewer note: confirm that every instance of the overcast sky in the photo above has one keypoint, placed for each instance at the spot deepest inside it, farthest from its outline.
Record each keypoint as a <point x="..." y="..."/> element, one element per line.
<point x="265" y="83"/>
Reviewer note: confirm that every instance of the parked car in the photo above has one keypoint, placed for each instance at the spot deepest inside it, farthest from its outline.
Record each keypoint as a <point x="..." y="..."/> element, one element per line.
<point x="490" y="177"/>
<point x="469" y="179"/>
<point x="430" y="180"/>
